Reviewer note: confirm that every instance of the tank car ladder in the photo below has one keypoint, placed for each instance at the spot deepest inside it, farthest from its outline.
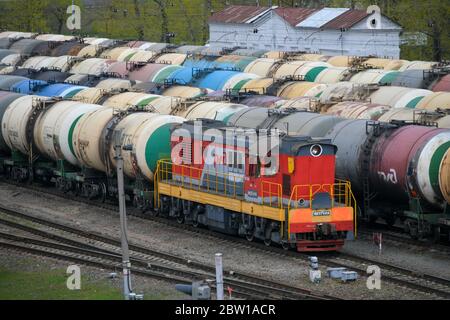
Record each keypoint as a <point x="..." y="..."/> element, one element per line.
<point x="368" y="196"/>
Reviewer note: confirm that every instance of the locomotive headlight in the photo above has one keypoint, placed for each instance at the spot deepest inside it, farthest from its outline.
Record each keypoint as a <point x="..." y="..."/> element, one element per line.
<point x="316" y="150"/>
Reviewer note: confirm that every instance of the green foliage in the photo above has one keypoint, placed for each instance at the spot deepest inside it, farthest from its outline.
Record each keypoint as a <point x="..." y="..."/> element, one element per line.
<point x="24" y="15"/>
<point x="151" y="19"/>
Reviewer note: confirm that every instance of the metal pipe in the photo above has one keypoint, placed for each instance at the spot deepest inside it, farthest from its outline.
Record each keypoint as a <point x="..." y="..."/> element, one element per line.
<point x="219" y="276"/>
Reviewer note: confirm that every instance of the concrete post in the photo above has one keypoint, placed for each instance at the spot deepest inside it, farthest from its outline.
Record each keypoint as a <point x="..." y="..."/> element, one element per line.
<point x="219" y="276"/>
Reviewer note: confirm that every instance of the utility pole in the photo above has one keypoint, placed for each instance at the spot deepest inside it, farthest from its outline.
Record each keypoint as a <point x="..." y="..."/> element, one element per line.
<point x="123" y="219"/>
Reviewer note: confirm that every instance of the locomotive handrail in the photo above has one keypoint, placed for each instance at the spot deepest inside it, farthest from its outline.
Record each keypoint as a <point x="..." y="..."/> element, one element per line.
<point x="278" y="193"/>
<point x="341" y="194"/>
<point x="210" y="181"/>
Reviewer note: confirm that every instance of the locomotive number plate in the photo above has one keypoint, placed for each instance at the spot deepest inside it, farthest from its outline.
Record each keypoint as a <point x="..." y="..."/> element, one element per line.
<point x="321" y="213"/>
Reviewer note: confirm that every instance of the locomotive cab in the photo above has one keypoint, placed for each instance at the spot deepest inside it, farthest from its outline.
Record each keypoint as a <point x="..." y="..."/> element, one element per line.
<point x="300" y="163"/>
<point x="303" y="182"/>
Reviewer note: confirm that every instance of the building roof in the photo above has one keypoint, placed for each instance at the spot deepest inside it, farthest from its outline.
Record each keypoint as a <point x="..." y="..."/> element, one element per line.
<point x="347" y="19"/>
<point x="322" y="17"/>
<point x="326" y="18"/>
<point x="295" y="15"/>
<point x="238" y="14"/>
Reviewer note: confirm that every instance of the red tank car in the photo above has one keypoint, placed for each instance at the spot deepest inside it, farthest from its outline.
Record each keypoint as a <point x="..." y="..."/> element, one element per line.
<point x="258" y="184"/>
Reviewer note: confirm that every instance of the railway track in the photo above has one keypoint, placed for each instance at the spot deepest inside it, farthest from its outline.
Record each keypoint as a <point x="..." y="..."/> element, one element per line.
<point x="410" y="279"/>
<point x="146" y="262"/>
<point x="401" y="238"/>
<point x="407" y="278"/>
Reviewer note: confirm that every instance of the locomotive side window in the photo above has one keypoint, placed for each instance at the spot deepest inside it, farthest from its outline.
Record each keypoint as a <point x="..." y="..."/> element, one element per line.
<point x="240" y="161"/>
<point x="269" y="167"/>
<point x="254" y="170"/>
<point x="230" y="158"/>
<point x="235" y="160"/>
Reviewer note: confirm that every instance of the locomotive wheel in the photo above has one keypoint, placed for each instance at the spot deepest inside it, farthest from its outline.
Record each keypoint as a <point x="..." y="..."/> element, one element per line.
<point x="250" y="237"/>
<point x="180" y="219"/>
<point x="285" y="245"/>
<point x="268" y="236"/>
<point x="154" y="212"/>
<point x="195" y="222"/>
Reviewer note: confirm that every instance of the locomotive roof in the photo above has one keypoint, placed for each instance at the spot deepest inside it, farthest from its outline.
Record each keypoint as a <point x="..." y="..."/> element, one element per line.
<point x="289" y="144"/>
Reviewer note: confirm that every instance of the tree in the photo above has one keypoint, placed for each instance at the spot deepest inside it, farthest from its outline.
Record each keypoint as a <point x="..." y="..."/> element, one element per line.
<point x="24" y="15"/>
<point x="162" y="6"/>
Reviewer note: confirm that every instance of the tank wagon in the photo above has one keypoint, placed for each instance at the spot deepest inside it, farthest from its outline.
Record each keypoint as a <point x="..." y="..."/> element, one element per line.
<point x="71" y="145"/>
<point x="51" y="139"/>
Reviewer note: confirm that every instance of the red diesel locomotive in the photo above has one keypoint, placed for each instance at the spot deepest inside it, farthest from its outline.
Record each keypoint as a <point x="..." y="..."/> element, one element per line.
<point x="227" y="179"/>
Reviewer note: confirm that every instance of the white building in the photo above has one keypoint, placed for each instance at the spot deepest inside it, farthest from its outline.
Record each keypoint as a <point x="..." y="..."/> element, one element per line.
<point x="329" y="31"/>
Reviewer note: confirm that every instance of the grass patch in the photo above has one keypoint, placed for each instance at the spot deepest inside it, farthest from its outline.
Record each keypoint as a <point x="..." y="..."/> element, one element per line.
<point x="51" y="285"/>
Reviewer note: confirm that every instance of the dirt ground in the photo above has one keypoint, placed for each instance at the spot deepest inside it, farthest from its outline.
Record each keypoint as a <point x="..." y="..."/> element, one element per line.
<point x="239" y="258"/>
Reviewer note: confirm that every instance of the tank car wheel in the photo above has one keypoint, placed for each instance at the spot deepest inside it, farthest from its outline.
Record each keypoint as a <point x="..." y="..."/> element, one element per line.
<point x="103" y="192"/>
<point x="390" y="220"/>
<point x="86" y="192"/>
<point x="8" y="173"/>
<point x="373" y="220"/>
<point x="136" y="202"/>
<point x="140" y="204"/>
<point x="413" y="234"/>
<point x="436" y="234"/>
<point x="67" y="187"/>
<point x="411" y="229"/>
<point x="77" y="190"/>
